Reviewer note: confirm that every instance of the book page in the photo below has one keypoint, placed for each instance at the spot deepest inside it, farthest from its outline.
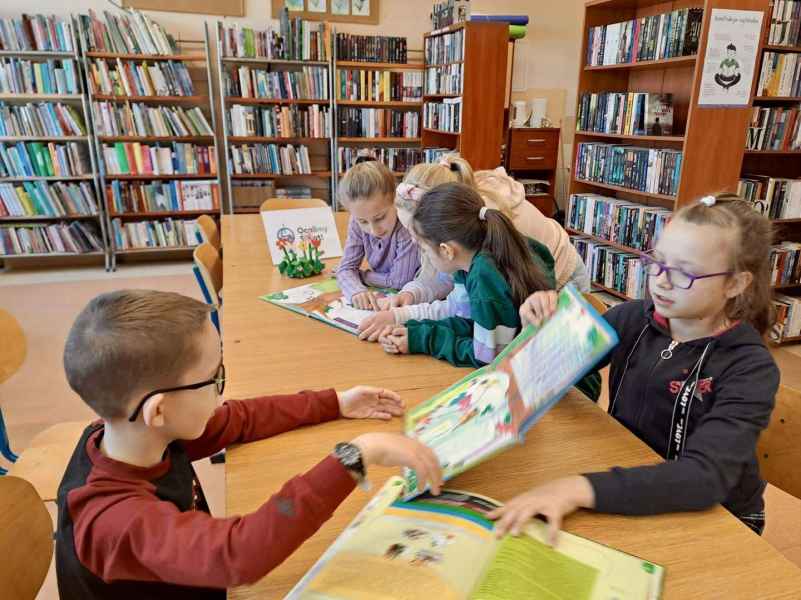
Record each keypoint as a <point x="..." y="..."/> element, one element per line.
<point x="428" y="548"/>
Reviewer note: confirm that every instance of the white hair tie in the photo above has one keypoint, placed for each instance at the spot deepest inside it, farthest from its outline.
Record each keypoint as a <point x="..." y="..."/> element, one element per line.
<point x="482" y="214"/>
<point x="708" y="200"/>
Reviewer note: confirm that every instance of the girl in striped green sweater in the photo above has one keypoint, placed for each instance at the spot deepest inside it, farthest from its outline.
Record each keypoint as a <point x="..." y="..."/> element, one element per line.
<point x="494" y="270"/>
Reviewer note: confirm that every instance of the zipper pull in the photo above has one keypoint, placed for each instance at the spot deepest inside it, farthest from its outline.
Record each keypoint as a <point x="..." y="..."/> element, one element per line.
<point x="667" y="353"/>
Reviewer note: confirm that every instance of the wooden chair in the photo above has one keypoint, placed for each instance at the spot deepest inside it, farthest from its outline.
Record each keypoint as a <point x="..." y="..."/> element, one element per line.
<point x="779" y="449"/>
<point x="209" y="231"/>
<point x="290" y="203"/>
<point x="209" y="272"/>
<point x="13" y="349"/>
<point x="596" y="303"/>
<point x="26" y="539"/>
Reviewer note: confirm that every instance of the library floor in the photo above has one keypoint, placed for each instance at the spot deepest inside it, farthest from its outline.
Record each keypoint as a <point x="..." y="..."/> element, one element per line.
<point x="46" y="302"/>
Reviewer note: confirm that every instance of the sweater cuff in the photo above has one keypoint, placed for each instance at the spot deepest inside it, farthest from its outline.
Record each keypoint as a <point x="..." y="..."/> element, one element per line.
<point x="414" y="332"/>
<point x="608" y="495"/>
<point x="335" y="482"/>
<point x="402" y="314"/>
<point x="329" y="404"/>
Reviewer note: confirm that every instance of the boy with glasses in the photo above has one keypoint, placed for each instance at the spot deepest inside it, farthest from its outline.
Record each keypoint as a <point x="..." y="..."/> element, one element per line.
<point x="133" y="521"/>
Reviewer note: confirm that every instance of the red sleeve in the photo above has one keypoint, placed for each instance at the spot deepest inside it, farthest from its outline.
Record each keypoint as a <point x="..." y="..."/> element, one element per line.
<point x="130" y="534"/>
<point x="239" y="421"/>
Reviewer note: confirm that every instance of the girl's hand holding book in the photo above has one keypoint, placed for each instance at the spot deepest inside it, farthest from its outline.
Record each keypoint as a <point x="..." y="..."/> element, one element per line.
<point x="373" y="326"/>
<point x="538" y="307"/>
<point x="554" y="501"/>
<point x="365" y="301"/>
<point x="402" y="299"/>
<point x="396" y="450"/>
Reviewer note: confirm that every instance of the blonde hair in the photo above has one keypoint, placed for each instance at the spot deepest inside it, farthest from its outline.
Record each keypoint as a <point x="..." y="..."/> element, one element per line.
<point x="498" y="190"/>
<point x="752" y="236"/>
<point x="365" y="180"/>
<point x="451" y="168"/>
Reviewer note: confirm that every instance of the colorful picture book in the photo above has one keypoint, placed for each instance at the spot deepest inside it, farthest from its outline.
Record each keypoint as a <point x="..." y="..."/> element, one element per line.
<point x="491" y="409"/>
<point x="323" y="301"/>
<point x="444" y="547"/>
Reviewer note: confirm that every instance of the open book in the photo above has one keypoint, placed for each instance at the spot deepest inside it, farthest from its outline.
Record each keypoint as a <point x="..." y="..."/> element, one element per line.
<point x="492" y="408"/>
<point x="443" y="548"/>
<point x="323" y="301"/>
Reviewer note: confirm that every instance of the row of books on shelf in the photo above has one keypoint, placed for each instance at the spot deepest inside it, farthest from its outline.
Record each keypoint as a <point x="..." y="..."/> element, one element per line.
<point x="290" y="39"/>
<point x="785" y="23"/>
<point x="129" y="78"/>
<point x="657" y="37"/>
<point x="774" y="197"/>
<point x="444" y="116"/>
<point x="377" y="122"/>
<point x="651" y="170"/>
<point x="788" y="317"/>
<point x="161" y="159"/>
<point x="310" y="83"/>
<point x="614" y="269"/>
<point x="371" y="48"/>
<point x="445" y="80"/>
<point x="443" y="49"/>
<point x="162" y="196"/>
<point x="41" y="199"/>
<point x="270" y="159"/>
<point x="137" y="119"/>
<point x="785" y="261"/>
<point x="40" y="119"/>
<point x="379" y="86"/>
<point x="162" y="233"/>
<point x="279" y="121"/>
<point x="37" y="159"/>
<point x="619" y="221"/>
<point x="40" y="33"/>
<point x="774" y="128"/>
<point x="127" y="32"/>
<point x="780" y="75"/>
<point x="77" y="237"/>
<point x="54" y="76"/>
<point x="626" y="113"/>
<point x="397" y="160"/>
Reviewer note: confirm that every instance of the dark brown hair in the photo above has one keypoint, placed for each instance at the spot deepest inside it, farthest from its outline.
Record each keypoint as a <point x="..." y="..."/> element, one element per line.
<point x="131" y="341"/>
<point x="450" y="213"/>
<point x="751" y="239"/>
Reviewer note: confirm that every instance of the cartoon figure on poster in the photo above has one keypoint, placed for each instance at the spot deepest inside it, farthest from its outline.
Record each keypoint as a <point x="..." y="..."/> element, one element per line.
<point x="729" y="74"/>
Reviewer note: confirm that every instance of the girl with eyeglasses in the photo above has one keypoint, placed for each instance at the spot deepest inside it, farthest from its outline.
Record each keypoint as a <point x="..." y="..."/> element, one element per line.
<point x="691" y="377"/>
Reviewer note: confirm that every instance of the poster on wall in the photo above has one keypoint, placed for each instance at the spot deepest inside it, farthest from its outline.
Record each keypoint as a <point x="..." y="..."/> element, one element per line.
<point x="340" y="7"/>
<point x="294" y="5"/>
<point x="317" y="6"/>
<point x="731" y="53"/>
<point x="361" y="8"/>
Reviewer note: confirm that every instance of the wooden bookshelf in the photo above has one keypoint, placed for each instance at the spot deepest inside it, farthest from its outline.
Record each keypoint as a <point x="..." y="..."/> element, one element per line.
<point x="320" y="149"/>
<point x="379" y="66"/>
<point x="484" y="66"/>
<point x="775" y="163"/>
<point x="28" y="98"/>
<point x="604" y="241"/>
<point x="703" y="134"/>
<point x="380" y="104"/>
<point x="196" y="57"/>
<point x="379" y="140"/>
<point x="34" y="54"/>
<point x="44" y="138"/>
<point x="35" y="218"/>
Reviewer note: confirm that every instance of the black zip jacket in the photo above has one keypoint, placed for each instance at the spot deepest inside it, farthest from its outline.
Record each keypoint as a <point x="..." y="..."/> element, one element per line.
<point x="699" y="404"/>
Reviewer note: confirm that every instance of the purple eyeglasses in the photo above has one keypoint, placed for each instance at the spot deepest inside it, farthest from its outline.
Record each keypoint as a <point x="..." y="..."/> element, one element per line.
<point x="676" y="276"/>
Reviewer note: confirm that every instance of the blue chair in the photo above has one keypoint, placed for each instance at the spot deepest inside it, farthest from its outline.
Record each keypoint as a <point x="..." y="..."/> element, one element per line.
<point x="215" y="317"/>
<point x="12" y="355"/>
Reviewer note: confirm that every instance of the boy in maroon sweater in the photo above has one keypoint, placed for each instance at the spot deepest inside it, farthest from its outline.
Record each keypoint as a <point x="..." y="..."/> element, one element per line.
<point x="133" y="521"/>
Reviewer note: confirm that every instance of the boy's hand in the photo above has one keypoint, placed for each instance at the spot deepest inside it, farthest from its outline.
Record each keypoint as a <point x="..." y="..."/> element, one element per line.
<point x="365" y="301"/>
<point x="370" y="329"/>
<point x="553" y="500"/>
<point x="394" y="450"/>
<point x="395" y="340"/>
<point x="363" y="402"/>
<point x="402" y="299"/>
<point x="538" y="307"/>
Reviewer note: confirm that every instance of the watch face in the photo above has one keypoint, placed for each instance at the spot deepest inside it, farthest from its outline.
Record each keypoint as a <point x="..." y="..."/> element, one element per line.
<point x="349" y="454"/>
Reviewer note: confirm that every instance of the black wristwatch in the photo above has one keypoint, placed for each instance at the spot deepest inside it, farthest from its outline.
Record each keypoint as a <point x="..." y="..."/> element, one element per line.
<point x="351" y="458"/>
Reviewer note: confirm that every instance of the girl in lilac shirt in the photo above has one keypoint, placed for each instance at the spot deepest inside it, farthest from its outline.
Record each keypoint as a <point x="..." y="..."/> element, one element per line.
<point x="374" y="232"/>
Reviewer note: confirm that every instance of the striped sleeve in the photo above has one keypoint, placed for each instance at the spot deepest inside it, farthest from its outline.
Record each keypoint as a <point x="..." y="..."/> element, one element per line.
<point x="495" y="316"/>
<point x="348" y="273"/>
<point x="457" y="304"/>
<point x="405" y="262"/>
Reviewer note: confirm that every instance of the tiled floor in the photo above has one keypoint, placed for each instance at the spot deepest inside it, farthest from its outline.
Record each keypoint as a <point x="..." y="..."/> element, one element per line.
<point x="46" y="302"/>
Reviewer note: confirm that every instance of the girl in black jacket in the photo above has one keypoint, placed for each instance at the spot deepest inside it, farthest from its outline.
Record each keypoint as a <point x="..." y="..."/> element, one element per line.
<point x="691" y="376"/>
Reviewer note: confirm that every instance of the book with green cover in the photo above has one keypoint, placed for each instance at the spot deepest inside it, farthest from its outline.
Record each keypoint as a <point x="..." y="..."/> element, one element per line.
<point x="324" y="301"/>
<point x="491" y="409"/>
<point x="444" y="548"/>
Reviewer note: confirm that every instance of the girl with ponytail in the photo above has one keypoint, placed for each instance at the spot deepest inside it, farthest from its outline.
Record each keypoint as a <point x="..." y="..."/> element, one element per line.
<point x="494" y="270"/>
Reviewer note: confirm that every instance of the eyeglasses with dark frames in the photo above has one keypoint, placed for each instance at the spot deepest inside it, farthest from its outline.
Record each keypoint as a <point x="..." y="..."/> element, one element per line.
<point x="675" y="275"/>
<point x="218" y="380"/>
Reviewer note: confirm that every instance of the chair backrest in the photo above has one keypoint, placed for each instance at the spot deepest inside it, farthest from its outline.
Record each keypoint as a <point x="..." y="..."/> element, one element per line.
<point x="26" y="539"/>
<point x="14" y="347"/>
<point x="290" y="203"/>
<point x="208" y="263"/>
<point x="209" y="230"/>
<point x="779" y="449"/>
<point x="596" y="303"/>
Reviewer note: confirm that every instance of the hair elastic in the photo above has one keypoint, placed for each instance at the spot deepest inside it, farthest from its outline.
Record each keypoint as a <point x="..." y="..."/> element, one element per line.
<point x="482" y="213"/>
<point x="708" y="201"/>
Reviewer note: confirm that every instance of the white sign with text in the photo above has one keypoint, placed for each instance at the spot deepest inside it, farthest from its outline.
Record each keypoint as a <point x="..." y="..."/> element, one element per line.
<point x="297" y="224"/>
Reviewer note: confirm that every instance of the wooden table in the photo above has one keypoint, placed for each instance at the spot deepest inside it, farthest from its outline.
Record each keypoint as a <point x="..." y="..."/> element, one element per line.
<point x="267" y="349"/>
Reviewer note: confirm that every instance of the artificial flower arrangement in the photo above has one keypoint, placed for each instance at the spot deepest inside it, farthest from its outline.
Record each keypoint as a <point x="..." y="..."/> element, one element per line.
<point x="301" y="259"/>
